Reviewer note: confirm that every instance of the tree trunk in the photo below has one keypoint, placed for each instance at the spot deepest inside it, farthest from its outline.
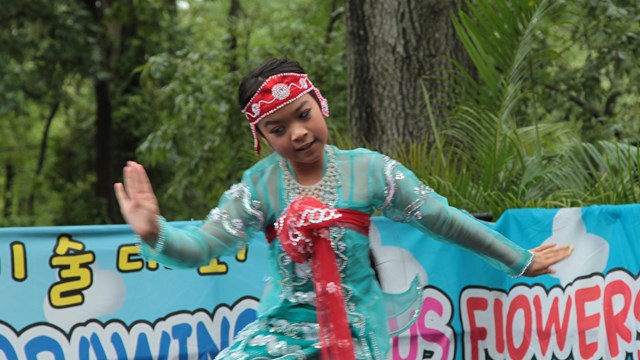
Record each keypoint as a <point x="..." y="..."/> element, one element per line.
<point x="393" y="47"/>
<point x="103" y="160"/>
<point x="104" y="122"/>
<point x="41" y="156"/>
<point x="9" y="174"/>
<point x="234" y="15"/>
<point x="232" y="130"/>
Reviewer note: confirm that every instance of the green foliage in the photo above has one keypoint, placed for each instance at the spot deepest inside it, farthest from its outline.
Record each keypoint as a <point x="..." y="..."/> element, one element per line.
<point x="499" y="150"/>
<point x="40" y="50"/>
<point x="52" y="54"/>
<point x="550" y="119"/>
<point x="594" y="80"/>
<point x="180" y="120"/>
<point x="201" y="141"/>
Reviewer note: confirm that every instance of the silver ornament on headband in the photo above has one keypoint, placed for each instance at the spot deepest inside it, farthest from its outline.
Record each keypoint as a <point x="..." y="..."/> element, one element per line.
<point x="280" y="91"/>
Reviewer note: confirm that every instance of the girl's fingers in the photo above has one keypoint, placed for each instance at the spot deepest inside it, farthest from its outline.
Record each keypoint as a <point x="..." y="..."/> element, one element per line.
<point x="128" y="178"/>
<point x="136" y="182"/>
<point x="542" y="248"/>
<point x="551" y="257"/>
<point x="121" y="195"/>
<point x="554" y="250"/>
<point x="145" y="183"/>
<point x="140" y="180"/>
<point x="559" y="253"/>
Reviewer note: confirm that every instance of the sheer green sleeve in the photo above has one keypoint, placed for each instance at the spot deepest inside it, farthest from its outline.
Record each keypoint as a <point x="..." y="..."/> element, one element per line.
<point x="227" y="229"/>
<point x="403" y="197"/>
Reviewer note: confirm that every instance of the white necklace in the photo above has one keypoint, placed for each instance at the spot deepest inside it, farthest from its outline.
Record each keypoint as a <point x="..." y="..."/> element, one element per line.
<point x="325" y="190"/>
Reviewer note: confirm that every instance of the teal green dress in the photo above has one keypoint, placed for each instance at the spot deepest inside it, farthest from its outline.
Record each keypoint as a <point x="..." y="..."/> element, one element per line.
<point x="359" y="179"/>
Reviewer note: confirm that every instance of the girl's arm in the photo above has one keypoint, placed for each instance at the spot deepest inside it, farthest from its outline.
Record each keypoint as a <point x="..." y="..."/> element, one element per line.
<point x="226" y="229"/>
<point x="405" y="198"/>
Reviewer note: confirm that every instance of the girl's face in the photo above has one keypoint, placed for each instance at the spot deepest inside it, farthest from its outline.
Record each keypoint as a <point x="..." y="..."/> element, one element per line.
<point x="297" y="132"/>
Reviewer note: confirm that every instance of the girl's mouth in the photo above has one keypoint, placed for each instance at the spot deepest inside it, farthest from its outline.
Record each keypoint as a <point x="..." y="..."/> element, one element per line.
<point x="306" y="146"/>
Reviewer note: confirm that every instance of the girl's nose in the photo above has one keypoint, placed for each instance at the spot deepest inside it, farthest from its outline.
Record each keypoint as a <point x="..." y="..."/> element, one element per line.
<point x="299" y="133"/>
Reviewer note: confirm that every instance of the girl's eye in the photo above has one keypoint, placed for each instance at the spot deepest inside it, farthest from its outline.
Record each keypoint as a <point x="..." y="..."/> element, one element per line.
<point x="277" y="130"/>
<point x="305" y="114"/>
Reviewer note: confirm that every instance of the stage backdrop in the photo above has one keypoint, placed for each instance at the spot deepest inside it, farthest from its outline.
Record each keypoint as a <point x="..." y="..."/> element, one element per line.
<point x="83" y="292"/>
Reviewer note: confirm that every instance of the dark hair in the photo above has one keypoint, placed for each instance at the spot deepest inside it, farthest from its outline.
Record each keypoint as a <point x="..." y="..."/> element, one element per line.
<point x="251" y="83"/>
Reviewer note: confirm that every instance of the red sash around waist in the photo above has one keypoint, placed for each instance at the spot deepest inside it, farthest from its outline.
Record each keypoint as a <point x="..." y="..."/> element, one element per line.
<point x="303" y="231"/>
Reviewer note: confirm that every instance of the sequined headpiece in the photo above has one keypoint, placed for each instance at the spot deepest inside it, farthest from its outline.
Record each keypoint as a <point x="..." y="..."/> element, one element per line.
<point x="276" y="92"/>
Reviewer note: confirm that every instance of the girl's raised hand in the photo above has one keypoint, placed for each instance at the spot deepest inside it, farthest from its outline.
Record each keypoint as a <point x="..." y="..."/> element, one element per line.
<point x="138" y="203"/>
<point x="545" y="257"/>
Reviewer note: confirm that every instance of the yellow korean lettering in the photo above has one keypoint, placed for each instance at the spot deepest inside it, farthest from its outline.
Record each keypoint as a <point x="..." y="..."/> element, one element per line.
<point x="127" y="262"/>
<point x="241" y="256"/>
<point x="215" y="267"/>
<point x="66" y="244"/>
<point x="152" y="265"/>
<point x="74" y="272"/>
<point x="19" y="261"/>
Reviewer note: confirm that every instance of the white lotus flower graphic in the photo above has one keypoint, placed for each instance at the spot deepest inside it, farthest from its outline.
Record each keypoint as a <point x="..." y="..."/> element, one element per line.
<point x="105" y="296"/>
<point x="590" y="252"/>
<point x="396" y="267"/>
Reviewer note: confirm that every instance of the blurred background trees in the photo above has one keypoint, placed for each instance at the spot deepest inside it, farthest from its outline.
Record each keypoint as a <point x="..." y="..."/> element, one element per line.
<point x="496" y="103"/>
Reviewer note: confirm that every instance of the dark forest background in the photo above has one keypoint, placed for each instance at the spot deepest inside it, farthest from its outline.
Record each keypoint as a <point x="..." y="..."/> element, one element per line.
<point x="496" y="104"/>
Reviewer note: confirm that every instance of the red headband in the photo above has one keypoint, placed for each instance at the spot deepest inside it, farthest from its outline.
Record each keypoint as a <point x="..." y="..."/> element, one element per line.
<point x="275" y="93"/>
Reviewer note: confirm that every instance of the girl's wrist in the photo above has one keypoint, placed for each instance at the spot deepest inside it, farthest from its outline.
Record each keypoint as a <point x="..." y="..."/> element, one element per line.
<point x="152" y="235"/>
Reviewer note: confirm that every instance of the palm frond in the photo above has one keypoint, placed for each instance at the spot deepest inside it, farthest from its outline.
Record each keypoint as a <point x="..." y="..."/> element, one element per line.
<point x="483" y="159"/>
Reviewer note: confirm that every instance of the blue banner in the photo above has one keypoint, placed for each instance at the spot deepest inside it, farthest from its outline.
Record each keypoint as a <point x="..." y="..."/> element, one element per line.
<point x="84" y="292"/>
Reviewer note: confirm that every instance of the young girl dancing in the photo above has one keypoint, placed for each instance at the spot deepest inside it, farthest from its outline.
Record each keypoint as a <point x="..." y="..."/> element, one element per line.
<point x="314" y="203"/>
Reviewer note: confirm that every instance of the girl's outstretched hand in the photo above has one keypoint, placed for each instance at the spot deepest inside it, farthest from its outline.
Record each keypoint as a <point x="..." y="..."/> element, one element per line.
<point x="545" y="257"/>
<point x="138" y="203"/>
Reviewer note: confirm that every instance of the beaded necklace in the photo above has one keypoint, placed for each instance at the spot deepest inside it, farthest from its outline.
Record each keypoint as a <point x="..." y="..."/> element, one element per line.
<point x="325" y="190"/>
